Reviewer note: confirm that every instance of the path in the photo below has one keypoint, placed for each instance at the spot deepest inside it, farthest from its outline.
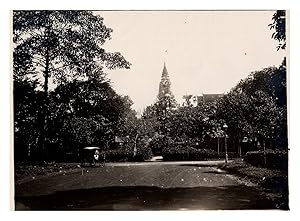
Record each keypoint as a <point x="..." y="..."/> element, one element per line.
<point x="142" y="186"/>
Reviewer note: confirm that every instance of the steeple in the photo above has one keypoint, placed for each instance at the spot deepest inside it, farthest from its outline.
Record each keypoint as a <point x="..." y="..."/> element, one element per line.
<point x="165" y="71"/>
<point x="165" y="88"/>
<point x="165" y="83"/>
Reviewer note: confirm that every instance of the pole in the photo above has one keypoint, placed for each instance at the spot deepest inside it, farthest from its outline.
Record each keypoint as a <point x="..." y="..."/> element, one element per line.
<point x="218" y="145"/>
<point x="135" y="145"/>
<point x="240" y="149"/>
<point x="225" y="132"/>
<point x="226" y="154"/>
<point x="265" y="155"/>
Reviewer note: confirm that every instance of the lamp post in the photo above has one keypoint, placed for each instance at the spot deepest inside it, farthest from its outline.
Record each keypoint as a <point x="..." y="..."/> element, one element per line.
<point x="273" y="136"/>
<point x="225" y="127"/>
<point x="218" y="136"/>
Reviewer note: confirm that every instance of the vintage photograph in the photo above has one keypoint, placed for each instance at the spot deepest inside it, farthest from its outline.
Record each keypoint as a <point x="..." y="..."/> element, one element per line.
<point x="150" y="110"/>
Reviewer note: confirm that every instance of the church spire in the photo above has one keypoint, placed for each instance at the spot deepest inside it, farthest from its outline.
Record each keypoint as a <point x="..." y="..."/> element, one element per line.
<point x="165" y="83"/>
<point x="165" y="73"/>
<point x="165" y="87"/>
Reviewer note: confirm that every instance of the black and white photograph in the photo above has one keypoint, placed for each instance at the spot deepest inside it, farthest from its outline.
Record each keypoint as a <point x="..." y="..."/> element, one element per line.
<point x="150" y="110"/>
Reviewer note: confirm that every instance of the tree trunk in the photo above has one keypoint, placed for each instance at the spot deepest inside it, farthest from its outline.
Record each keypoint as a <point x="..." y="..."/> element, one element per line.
<point x="265" y="155"/>
<point x="44" y="137"/>
<point x="135" y="145"/>
<point x="239" y="149"/>
<point x="218" y="145"/>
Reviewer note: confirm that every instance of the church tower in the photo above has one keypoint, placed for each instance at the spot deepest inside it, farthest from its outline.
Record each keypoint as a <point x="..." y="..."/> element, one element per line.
<point x="165" y="94"/>
<point x="165" y="84"/>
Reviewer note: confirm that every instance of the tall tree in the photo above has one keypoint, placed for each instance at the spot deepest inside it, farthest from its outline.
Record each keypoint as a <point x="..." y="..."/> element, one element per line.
<point x="27" y="104"/>
<point x="279" y="27"/>
<point x="256" y="108"/>
<point x="61" y="45"/>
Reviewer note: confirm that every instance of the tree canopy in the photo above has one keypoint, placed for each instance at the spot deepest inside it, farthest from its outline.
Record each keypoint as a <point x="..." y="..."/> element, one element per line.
<point x="62" y="45"/>
<point x="279" y="27"/>
<point x="65" y="47"/>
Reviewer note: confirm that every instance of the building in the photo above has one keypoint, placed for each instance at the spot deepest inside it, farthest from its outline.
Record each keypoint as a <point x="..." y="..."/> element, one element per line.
<point x="195" y="100"/>
<point x="165" y="97"/>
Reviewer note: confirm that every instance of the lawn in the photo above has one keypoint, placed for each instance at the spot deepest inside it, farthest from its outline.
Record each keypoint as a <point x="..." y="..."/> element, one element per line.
<point x="275" y="182"/>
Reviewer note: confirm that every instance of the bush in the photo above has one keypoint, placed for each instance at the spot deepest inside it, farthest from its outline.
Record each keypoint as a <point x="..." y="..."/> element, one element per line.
<point x="275" y="159"/>
<point x="121" y="154"/>
<point x="158" y="142"/>
<point x="179" y="151"/>
<point x="125" y="153"/>
<point x="143" y="153"/>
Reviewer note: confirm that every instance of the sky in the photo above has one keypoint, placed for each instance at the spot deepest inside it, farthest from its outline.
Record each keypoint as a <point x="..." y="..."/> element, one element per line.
<point x="204" y="51"/>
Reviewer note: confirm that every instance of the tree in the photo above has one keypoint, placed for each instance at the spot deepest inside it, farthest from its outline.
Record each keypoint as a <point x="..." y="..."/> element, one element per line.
<point x="27" y="103"/>
<point x="93" y="100"/>
<point x="279" y="26"/>
<point x="256" y="108"/>
<point x="279" y="34"/>
<point x="61" y="45"/>
<point x="234" y="109"/>
<point x="149" y="124"/>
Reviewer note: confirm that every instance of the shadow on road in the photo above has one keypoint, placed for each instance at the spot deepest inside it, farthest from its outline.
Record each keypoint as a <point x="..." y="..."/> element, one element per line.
<point x="215" y="172"/>
<point x="199" y="165"/>
<point x="149" y="198"/>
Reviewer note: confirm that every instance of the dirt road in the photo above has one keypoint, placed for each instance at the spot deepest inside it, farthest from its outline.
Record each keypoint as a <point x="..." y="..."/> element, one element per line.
<point x="145" y="186"/>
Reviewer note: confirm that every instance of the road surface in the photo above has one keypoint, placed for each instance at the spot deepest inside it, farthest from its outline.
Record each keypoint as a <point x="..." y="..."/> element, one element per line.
<point x="142" y="186"/>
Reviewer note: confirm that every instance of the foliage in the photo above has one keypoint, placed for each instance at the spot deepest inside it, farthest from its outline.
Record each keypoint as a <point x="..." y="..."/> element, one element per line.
<point x="275" y="159"/>
<point x="279" y="26"/>
<point x="256" y="108"/>
<point x="81" y="113"/>
<point x="125" y="153"/>
<point x="27" y="104"/>
<point x="91" y="98"/>
<point x="143" y="153"/>
<point x="185" y="124"/>
<point x="182" y="151"/>
<point x="61" y="46"/>
<point x="158" y="142"/>
<point x="92" y="110"/>
<point x="276" y="181"/>
<point x="149" y="122"/>
<point x="83" y="109"/>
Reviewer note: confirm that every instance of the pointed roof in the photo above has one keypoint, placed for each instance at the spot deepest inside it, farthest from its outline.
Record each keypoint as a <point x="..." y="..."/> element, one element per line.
<point x="164" y="91"/>
<point x="165" y="83"/>
<point x="165" y="71"/>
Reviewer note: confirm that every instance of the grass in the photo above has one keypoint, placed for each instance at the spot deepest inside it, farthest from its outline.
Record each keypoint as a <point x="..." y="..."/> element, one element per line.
<point x="275" y="182"/>
<point x="25" y="171"/>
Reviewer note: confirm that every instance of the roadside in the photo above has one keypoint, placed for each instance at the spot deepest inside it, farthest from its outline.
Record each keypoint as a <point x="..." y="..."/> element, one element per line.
<point x="273" y="182"/>
<point x="141" y="186"/>
<point x="27" y="172"/>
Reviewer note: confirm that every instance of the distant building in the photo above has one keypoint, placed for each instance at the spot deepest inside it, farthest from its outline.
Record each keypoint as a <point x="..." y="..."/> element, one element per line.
<point x="165" y="96"/>
<point x="164" y="85"/>
<point x="166" y="99"/>
<point x="194" y="100"/>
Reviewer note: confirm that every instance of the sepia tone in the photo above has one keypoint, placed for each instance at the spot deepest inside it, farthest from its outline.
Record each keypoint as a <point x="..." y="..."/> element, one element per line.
<point x="150" y="110"/>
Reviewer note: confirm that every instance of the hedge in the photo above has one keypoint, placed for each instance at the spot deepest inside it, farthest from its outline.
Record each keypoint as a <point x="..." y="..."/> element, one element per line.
<point x="125" y="154"/>
<point x="118" y="155"/>
<point x="275" y="159"/>
<point x="183" y="152"/>
<point x="143" y="153"/>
